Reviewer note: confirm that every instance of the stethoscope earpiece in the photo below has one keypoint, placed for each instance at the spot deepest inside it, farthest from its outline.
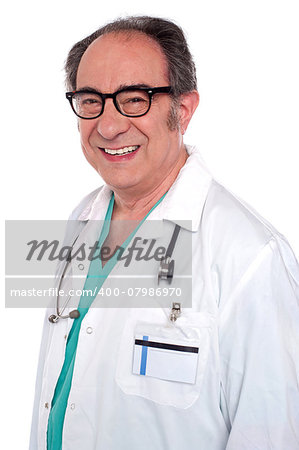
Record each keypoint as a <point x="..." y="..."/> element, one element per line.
<point x="74" y="314"/>
<point x="166" y="270"/>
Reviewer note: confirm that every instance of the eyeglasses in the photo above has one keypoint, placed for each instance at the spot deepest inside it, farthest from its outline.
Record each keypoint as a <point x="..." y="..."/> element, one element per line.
<point x="131" y="101"/>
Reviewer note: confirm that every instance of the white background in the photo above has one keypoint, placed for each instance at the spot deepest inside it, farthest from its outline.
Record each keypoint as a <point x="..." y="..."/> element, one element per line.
<point x="246" y="127"/>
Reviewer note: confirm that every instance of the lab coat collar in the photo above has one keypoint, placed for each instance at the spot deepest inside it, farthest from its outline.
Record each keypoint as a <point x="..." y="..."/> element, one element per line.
<point x="97" y="207"/>
<point x="183" y="204"/>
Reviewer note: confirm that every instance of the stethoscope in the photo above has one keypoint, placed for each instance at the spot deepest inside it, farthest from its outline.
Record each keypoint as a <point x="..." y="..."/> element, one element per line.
<point x="166" y="271"/>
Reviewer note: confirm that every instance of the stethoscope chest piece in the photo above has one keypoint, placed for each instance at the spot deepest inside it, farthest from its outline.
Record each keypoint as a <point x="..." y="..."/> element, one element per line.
<point x="53" y="318"/>
<point x="75" y="314"/>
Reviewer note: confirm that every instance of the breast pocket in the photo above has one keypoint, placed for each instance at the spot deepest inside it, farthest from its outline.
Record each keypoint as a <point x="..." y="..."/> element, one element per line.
<point x="164" y="362"/>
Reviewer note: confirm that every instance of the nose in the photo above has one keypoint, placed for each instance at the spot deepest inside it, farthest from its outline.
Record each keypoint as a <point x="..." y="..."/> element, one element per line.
<point x="111" y="123"/>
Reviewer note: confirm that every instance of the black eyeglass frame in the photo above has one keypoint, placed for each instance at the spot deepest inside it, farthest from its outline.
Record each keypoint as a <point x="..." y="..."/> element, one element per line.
<point x="149" y="91"/>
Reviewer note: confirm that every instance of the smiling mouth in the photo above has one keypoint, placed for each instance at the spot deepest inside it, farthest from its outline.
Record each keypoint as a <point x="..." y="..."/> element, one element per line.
<point x="120" y="151"/>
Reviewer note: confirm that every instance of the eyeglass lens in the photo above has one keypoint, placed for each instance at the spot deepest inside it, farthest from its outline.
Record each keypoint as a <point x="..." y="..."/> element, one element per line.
<point x="131" y="103"/>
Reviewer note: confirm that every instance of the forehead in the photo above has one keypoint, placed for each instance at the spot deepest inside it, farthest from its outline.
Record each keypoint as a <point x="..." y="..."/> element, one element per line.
<point x="118" y="59"/>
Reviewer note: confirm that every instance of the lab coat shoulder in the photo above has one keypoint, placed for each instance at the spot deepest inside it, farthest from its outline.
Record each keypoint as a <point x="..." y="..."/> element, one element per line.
<point x="235" y="235"/>
<point x="257" y="276"/>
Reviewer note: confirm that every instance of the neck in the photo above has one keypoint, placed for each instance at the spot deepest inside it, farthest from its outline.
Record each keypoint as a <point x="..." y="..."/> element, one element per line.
<point x="135" y="205"/>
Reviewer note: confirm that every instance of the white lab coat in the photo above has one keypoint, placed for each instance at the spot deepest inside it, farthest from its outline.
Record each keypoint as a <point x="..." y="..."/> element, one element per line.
<point x="245" y="286"/>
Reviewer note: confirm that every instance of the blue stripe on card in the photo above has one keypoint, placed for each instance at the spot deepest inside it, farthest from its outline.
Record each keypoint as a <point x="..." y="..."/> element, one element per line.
<point x="143" y="357"/>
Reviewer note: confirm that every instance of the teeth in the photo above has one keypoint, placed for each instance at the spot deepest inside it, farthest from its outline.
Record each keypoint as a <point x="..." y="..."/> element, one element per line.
<point x="121" y="151"/>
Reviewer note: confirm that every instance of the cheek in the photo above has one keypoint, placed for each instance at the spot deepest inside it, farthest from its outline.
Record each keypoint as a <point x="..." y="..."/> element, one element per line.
<point x="85" y="130"/>
<point x="89" y="155"/>
<point x="155" y="131"/>
<point x="88" y="151"/>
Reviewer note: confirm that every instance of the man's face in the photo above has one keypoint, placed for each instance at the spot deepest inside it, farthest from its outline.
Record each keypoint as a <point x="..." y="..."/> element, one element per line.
<point x="110" y="63"/>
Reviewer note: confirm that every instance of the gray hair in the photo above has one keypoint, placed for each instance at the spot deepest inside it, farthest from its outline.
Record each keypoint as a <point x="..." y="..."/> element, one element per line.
<point x="169" y="36"/>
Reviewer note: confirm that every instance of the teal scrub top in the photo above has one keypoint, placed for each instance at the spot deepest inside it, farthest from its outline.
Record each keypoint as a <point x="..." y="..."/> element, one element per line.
<point x="94" y="280"/>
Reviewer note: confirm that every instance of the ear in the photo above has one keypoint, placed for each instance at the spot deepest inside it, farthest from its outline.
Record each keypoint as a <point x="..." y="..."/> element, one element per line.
<point x="188" y="104"/>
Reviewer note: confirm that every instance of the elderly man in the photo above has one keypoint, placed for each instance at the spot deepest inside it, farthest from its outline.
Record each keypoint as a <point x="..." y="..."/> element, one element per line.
<point x="220" y="374"/>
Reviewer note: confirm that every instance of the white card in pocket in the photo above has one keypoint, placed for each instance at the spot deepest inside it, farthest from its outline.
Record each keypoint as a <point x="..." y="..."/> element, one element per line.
<point x="173" y="361"/>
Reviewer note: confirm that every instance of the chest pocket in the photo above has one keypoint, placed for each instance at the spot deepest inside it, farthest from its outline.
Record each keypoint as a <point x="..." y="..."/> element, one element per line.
<point x="191" y="330"/>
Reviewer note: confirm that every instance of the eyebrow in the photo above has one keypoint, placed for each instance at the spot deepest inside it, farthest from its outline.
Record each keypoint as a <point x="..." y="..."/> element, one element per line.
<point x="120" y="87"/>
<point x="138" y="85"/>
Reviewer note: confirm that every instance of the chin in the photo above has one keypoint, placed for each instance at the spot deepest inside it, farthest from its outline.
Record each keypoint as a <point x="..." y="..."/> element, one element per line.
<point x="115" y="186"/>
<point x="116" y="182"/>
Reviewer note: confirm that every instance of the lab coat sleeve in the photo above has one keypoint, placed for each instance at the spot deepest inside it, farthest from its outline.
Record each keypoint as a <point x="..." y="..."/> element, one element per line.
<point x="74" y="227"/>
<point x="259" y="353"/>
<point x="33" y="445"/>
